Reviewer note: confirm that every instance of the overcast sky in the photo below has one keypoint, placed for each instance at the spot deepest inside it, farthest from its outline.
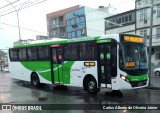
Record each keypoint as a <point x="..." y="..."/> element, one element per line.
<point x="34" y="17"/>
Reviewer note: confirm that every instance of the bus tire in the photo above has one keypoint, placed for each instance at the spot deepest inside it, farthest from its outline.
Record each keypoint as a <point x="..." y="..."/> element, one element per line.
<point x="157" y="73"/>
<point x="35" y="80"/>
<point x="91" y="86"/>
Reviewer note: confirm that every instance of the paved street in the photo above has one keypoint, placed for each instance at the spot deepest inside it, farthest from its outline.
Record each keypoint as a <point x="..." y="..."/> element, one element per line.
<point x="17" y="92"/>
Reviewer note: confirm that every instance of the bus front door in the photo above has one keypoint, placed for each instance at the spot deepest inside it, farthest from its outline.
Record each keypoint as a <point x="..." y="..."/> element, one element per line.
<point x="107" y="58"/>
<point x="56" y="64"/>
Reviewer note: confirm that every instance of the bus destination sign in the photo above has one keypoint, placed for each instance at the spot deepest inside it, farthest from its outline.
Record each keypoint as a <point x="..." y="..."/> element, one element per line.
<point x="134" y="39"/>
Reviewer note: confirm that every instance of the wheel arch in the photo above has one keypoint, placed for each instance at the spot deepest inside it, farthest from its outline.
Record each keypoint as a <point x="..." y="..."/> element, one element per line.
<point x="86" y="78"/>
<point x="33" y="74"/>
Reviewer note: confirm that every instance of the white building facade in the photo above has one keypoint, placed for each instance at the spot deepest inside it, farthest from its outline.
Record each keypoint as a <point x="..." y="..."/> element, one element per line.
<point x="143" y="17"/>
<point x="138" y="21"/>
<point x="120" y="23"/>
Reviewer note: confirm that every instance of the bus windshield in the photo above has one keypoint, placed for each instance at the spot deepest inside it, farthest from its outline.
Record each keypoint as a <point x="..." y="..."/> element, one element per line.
<point x="133" y="56"/>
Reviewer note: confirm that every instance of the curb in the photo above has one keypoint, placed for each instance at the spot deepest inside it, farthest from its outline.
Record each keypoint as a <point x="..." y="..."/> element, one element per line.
<point x="154" y="88"/>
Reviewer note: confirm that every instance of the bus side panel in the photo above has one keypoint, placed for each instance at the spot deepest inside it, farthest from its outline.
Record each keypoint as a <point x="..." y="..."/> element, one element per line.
<point x="65" y="70"/>
<point x="79" y="71"/>
<point x="23" y="70"/>
<point x="18" y="71"/>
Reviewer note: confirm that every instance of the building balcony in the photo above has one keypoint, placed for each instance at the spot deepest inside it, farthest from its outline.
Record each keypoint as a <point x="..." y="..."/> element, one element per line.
<point x="56" y="26"/>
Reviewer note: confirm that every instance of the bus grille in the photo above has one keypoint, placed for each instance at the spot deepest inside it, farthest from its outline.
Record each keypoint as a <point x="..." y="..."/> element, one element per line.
<point x="137" y="84"/>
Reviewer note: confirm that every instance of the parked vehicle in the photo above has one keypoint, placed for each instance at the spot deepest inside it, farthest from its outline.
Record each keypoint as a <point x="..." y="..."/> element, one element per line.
<point x="6" y="69"/>
<point x="157" y="71"/>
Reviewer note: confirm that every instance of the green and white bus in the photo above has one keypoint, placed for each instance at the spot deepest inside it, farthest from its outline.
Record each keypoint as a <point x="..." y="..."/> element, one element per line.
<point x="117" y="61"/>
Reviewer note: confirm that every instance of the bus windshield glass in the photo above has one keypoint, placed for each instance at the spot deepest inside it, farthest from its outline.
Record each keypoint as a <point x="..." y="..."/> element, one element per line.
<point x="133" y="56"/>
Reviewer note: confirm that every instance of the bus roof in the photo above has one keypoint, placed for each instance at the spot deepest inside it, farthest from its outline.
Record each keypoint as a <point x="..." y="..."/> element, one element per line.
<point x="56" y="41"/>
<point x="62" y="41"/>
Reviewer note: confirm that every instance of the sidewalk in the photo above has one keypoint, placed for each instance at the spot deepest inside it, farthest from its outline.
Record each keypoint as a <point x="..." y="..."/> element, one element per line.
<point x="155" y="82"/>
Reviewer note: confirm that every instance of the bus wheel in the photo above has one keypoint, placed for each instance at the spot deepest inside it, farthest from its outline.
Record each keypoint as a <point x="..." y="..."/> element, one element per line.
<point x="157" y="73"/>
<point x="91" y="86"/>
<point x="35" y="80"/>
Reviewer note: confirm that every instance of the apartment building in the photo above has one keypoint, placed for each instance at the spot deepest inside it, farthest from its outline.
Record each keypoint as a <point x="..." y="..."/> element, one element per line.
<point x="78" y="21"/>
<point x="143" y="17"/>
<point x="56" y="22"/>
<point x="138" y="21"/>
<point x="87" y="21"/>
<point x="120" y="23"/>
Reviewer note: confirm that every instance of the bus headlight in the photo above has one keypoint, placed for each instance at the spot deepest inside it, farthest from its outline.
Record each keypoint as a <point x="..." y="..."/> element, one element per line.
<point x="124" y="78"/>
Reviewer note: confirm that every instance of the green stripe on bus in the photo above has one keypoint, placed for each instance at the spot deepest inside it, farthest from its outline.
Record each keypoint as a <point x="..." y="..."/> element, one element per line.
<point x="104" y="41"/>
<point x="43" y="68"/>
<point x="137" y="78"/>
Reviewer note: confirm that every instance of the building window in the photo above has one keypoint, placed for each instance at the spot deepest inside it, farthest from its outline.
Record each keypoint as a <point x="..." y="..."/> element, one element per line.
<point x="147" y="1"/>
<point x="77" y="20"/>
<point x="69" y="35"/>
<point x="143" y="15"/>
<point x="158" y="11"/>
<point x="143" y="33"/>
<point x="158" y="33"/>
<point x="50" y="23"/>
<point x="139" y="3"/>
<point x="157" y="55"/>
<point x="126" y="18"/>
<point x="82" y="19"/>
<point x="73" y="34"/>
<point x="73" y="22"/>
<point x="119" y="21"/>
<point x="130" y="17"/>
<point x="68" y="22"/>
<point x="79" y="33"/>
<point x="123" y="19"/>
<point x="51" y="34"/>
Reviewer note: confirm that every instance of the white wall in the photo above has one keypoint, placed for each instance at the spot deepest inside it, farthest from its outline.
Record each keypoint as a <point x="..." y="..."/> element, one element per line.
<point x="141" y="24"/>
<point x="122" y="29"/>
<point x="95" y="22"/>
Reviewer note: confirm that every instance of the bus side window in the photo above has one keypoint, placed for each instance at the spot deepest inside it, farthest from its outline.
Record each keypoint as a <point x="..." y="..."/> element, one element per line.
<point x="13" y="54"/>
<point x="59" y="55"/>
<point x="87" y="51"/>
<point x="54" y="56"/>
<point x="71" y="51"/>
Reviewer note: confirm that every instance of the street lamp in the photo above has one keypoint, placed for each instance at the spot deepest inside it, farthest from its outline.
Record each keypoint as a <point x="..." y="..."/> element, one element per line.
<point x="17" y="11"/>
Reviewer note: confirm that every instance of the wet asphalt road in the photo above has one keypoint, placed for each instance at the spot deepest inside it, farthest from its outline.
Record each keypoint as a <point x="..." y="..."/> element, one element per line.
<point x="18" y="92"/>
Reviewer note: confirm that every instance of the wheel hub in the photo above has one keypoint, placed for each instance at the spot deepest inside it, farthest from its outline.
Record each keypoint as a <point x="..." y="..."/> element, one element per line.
<point x="91" y="85"/>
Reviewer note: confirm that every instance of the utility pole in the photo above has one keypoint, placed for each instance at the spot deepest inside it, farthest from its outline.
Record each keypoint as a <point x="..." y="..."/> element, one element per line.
<point x="17" y="14"/>
<point x="1" y="60"/>
<point x="58" y="34"/>
<point x="150" y="42"/>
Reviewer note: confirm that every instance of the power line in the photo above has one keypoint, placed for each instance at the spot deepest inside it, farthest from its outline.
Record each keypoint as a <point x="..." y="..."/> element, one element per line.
<point x="12" y="7"/>
<point x="17" y="6"/>
<point x="23" y="28"/>
<point x="23" y="8"/>
<point x="9" y="4"/>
